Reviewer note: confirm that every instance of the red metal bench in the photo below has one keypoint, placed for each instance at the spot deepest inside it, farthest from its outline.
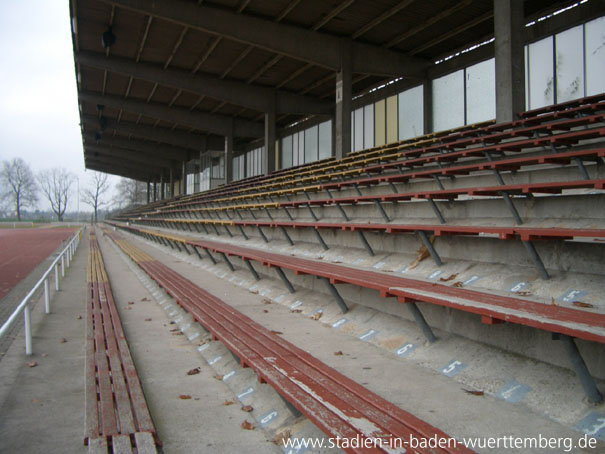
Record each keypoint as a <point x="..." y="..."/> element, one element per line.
<point x="336" y="404"/>
<point x="575" y="321"/>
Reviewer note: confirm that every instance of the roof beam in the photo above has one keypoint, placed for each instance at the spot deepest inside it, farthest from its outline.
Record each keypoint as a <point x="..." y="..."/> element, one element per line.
<point x="131" y="155"/>
<point x="318" y="48"/>
<point x="212" y="123"/>
<point x="429" y="22"/>
<point x="152" y="150"/>
<point x="239" y="93"/>
<point x="194" y="142"/>
<point x="125" y="173"/>
<point x="111" y="165"/>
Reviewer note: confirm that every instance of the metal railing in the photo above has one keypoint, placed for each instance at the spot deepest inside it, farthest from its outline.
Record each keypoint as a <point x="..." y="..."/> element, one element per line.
<point x="65" y="257"/>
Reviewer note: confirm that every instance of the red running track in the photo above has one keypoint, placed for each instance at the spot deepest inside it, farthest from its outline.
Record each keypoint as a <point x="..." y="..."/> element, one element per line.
<point x="22" y="250"/>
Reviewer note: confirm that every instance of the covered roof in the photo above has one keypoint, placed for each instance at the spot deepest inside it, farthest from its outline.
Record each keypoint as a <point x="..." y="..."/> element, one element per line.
<point x="173" y="73"/>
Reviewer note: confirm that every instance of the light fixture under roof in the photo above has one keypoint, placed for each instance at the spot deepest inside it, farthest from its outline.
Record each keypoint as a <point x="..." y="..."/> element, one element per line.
<point x="108" y="38"/>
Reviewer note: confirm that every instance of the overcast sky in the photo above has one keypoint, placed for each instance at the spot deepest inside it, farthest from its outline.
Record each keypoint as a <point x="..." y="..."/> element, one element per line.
<point x="39" y="119"/>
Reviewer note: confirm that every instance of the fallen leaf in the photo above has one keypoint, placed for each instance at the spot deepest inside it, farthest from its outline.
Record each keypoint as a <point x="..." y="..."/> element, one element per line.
<point x="131" y="302"/>
<point x="316" y="315"/>
<point x="280" y="438"/>
<point x="254" y="292"/>
<point x="184" y="396"/>
<point x="581" y="304"/>
<point x="194" y="371"/>
<point x="63" y="340"/>
<point x="144" y="299"/>
<point x="147" y="319"/>
<point x="265" y="311"/>
<point x="449" y="278"/>
<point x="266" y="301"/>
<point x="296" y="311"/>
<point x="247" y="408"/>
<point x="172" y="322"/>
<point x="247" y="425"/>
<point x="423" y="253"/>
<point x="523" y="293"/>
<point x="474" y="393"/>
<point x="36" y="401"/>
<point x="177" y="334"/>
<point x="204" y="341"/>
<point x="457" y="284"/>
<point x="228" y="402"/>
<point x="276" y="332"/>
<point x="174" y="330"/>
<point x="32" y="364"/>
<point x="218" y="377"/>
<point x="338" y="353"/>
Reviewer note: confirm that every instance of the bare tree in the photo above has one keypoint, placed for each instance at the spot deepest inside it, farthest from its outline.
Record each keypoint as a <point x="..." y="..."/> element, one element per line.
<point x="98" y="185"/>
<point x="55" y="184"/>
<point x="18" y="184"/>
<point x="131" y="192"/>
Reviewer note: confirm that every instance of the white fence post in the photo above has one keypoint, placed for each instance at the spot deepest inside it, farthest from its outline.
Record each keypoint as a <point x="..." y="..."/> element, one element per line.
<point x="56" y="277"/>
<point x="28" y="330"/>
<point x="46" y="296"/>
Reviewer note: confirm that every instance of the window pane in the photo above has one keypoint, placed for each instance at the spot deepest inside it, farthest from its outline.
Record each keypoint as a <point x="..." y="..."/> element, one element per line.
<point x="261" y="159"/>
<point x="541" y="74"/>
<point x="286" y="152"/>
<point x="392" y="119"/>
<point x="311" y="144"/>
<point x="570" y="64"/>
<point x="301" y="147"/>
<point x="595" y="56"/>
<point x="411" y="113"/>
<point x="358" y="130"/>
<point x="481" y="92"/>
<point x="448" y="101"/>
<point x="295" y="149"/>
<point x="380" y="132"/>
<point x="325" y="139"/>
<point x="368" y="126"/>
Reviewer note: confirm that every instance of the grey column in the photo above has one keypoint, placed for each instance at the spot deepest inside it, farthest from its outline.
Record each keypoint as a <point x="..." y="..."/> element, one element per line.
<point x="203" y="151"/>
<point x="229" y="157"/>
<point x="184" y="178"/>
<point x="427" y="105"/>
<point x="510" y="72"/>
<point x="269" y="156"/>
<point x="342" y="120"/>
<point x="162" y="193"/>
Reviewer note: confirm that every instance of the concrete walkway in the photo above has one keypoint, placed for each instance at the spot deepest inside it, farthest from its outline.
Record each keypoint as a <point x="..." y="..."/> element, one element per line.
<point x="42" y="407"/>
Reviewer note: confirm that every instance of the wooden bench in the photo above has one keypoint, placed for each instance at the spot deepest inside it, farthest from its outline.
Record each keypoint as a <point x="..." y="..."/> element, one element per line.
<point x="117" y="417"/>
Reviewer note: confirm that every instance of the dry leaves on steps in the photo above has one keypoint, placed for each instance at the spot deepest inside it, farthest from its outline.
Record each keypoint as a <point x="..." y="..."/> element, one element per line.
<point x="247" y="425"/>
<point x="194" y="371"/>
